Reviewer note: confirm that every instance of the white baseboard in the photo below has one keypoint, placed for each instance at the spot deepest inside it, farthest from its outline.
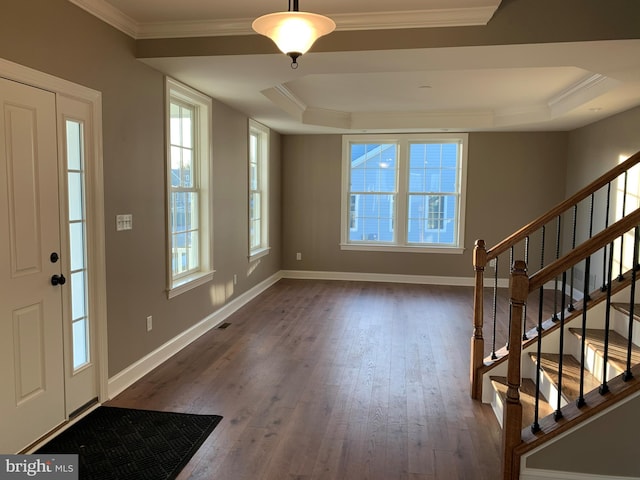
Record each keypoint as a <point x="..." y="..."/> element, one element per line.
<point x="535" y="474"/>
<point x="389" y="277"/>
<point x="137" y="370"/>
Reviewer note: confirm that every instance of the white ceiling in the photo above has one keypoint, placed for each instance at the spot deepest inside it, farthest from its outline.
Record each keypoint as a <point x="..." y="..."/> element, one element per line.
<point x="552" y="86"/>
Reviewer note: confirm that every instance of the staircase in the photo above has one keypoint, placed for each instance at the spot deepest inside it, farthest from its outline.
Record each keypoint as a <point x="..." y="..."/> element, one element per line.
<point x="564" y="343"/>
<point x="553" y="396"/>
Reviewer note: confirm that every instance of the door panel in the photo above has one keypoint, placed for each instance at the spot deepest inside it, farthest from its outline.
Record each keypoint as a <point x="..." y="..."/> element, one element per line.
<point x="29" y="366"/>
<point x="31" y="342"/>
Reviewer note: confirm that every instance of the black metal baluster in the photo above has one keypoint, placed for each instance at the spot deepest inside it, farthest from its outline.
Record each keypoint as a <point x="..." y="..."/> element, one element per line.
<point x="571" y="308"/>
<point x="555" y="280"/>
<point x="606" y="225"/>
<point x="587" y="264"/>
<point x="494" y="308"/>
<point x="604" y="388"/>
<point x="591" y="215"/>
<point x="536" y="411"/>
<point x="586" y="295"/>
<point x="624" y="210"/>
<point x="627" y="374"/>
<point x="524" y="310"/>
<point x="510" y="315"/>
<point x="557" y="415"/>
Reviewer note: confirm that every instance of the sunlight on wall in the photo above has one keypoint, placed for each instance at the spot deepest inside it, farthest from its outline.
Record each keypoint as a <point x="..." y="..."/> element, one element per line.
<point x="626" y="201"/>
<point x="252" y="267"/>
<point x="220" y="293"/>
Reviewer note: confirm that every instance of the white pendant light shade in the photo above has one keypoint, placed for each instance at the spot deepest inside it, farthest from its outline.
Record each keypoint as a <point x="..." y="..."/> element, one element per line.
<point x="293" y="32"/>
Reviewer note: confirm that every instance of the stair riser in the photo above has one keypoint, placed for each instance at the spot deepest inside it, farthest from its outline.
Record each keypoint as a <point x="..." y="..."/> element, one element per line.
<point x="594" y="361"/>
<point x="550" y="391"/>
<point x="497" y="405"/>
<point x="595" y="364"/>
<point x="620" y="323"/>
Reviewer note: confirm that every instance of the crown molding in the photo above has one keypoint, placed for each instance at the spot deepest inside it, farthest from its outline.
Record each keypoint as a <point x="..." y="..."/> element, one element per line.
<point x="446" y="17"/>
<point x="109" y="14"/>
<point x="451" y="17"/>
<point x="581" y="92"/>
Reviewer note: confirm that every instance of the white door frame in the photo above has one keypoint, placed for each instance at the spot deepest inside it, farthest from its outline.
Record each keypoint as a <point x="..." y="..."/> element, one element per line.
<point x="95" y="202"/>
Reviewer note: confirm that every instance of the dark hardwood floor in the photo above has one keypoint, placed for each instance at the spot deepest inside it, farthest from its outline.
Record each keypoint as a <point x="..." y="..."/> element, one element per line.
<point x="334" y="380"/>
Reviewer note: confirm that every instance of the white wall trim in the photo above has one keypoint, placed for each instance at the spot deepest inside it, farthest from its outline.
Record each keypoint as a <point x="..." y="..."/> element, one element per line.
<point x="389" y="277"/>
<point x="434" y="17"/>
<point x="137" y="370"/>
<point x="534" y="474"/>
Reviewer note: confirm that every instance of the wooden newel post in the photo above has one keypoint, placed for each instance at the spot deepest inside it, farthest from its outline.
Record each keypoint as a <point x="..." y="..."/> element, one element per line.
<point x="512" y="415"/>
<point x="477" y="340"/>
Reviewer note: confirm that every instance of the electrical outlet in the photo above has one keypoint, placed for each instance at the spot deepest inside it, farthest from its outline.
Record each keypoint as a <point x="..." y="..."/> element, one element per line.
<point x="298" y="256"/>
<point x="149" y="323"/>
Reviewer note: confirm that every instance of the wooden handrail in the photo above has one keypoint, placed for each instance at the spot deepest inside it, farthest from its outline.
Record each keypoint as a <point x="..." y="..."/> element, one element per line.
<point x="527" y="230"/>
<point x="585" y="249"/>
<point x="521" y="285"/>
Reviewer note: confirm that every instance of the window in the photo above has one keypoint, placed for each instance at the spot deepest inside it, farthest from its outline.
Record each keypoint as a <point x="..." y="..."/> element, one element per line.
<point x="77" y="225"/>
<point x="258" y="190"/>
<point x="188" y="183"/>
<point x="404" y="192"/>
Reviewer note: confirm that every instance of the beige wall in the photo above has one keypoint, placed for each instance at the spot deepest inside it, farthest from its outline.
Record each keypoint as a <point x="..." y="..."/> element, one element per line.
<point x="56" y="37"/>
<point x="512" y="178"/>
<point x="593" y="150"/>
<point x="585" y="452"/>
<point x="596" y="148"/>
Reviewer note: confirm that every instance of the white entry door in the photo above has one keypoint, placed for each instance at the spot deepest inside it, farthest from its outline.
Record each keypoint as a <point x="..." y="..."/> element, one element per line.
<point x="31" y="321"/>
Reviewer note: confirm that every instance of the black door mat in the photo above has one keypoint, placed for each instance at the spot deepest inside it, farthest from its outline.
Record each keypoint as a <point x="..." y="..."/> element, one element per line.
<point x="129" y="444"/>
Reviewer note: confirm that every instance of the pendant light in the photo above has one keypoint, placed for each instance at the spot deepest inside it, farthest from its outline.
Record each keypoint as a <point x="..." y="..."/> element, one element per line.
<point x="293" y="31"/>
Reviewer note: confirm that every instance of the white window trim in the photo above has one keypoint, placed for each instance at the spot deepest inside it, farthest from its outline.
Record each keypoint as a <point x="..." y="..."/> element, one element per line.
<point x="263" y="160"/>
<point x="403" y="141"/>
<point x="203" y="104"/>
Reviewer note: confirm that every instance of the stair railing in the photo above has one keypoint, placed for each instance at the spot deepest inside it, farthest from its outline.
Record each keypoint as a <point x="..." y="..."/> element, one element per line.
<point x="521" y="287"/>
<point x="541" y="242"/>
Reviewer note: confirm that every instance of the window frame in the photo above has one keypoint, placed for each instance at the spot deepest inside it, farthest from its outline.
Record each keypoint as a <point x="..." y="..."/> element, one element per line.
<point x="176" y="92"/>
<point x="262" y="133"/>
<point x="400" y="207"/>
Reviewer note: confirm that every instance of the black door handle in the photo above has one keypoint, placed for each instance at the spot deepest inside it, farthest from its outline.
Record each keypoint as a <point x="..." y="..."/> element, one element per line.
<point x="58" y="280"/>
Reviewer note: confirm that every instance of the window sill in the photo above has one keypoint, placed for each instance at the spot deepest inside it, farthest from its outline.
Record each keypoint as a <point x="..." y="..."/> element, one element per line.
<point x="368" y="247"/>
<point x="256" y="254"/>
<point x="187" y="283"/>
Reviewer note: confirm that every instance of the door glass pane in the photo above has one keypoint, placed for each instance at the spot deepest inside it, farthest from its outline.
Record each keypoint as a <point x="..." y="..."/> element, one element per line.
<point x="80" y="352"/>
<point x="74" y="183"/>
<point x="74" y="140"/>
<point x="77" y="240"/>
<point x="77" y="295"/>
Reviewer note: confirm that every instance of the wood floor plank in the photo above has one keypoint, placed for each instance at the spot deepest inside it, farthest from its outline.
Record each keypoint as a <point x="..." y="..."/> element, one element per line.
<point x="333" y="380"/>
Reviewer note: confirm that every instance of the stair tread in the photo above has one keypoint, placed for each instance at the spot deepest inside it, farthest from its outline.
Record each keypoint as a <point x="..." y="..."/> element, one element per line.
<point x="618" y="344"/>
<point x="549" y="363"/>
<point x="527" y="398"/>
